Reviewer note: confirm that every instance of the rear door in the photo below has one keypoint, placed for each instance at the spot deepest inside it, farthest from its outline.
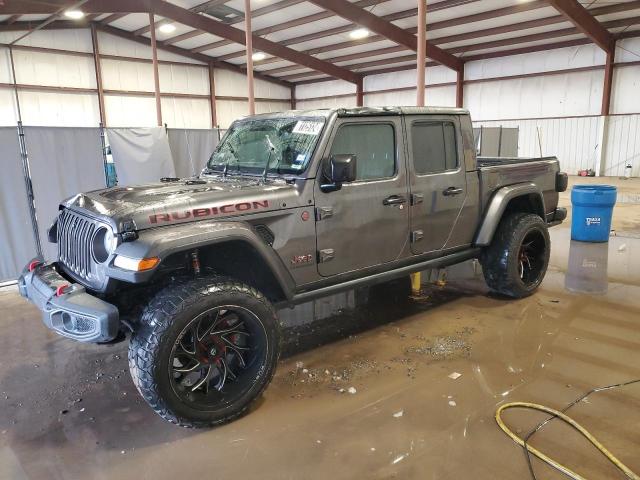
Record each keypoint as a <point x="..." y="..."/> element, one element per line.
<point x="366" y="222"/>
<point x="438" y="180"/>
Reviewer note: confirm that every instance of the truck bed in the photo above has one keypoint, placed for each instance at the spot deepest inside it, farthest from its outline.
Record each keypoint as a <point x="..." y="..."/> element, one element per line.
<point x="497" y="172"/>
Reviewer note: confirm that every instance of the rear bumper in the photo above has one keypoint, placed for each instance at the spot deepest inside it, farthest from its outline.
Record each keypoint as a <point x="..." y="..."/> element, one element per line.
<point x="66" y="307"/>
<point x="556" y="217"/>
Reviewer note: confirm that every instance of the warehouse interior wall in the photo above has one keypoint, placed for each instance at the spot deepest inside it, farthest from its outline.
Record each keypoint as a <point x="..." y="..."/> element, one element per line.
<point x="554" y="98"/>
<point x="127" y="76"/>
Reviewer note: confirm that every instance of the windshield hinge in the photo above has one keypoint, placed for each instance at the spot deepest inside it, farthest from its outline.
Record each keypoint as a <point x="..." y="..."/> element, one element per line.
<point x="323" y="212"/>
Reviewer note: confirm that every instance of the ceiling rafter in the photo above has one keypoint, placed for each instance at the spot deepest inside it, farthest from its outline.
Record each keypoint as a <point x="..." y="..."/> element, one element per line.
<point x="398" y="16"/>
<point x="186" y="53"/>
<point x="624" y="22"/>
<point x="382" y="27"/>
<point x="286" y="25"/>
<point x="197" y="9"/>
<point x="585" y="22"/>
<point x="254" y="13"/>
<point x="236" y="35"/>
<point x="514" y="27"/>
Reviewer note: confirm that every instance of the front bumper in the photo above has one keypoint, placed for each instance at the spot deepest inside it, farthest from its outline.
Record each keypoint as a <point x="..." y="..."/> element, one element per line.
<point x="66" y="307"/>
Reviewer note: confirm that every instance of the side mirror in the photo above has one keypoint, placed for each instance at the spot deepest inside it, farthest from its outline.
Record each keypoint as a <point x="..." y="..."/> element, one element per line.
<point x="338" y="169"/>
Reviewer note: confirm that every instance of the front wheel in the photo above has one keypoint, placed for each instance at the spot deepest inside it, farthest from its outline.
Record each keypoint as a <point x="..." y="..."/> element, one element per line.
<point x="205" y="350"/>
<point x="516" y="261"/>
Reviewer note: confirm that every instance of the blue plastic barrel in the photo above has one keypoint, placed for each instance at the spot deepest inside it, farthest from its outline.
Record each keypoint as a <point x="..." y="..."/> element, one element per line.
<point x="592" y="212"/>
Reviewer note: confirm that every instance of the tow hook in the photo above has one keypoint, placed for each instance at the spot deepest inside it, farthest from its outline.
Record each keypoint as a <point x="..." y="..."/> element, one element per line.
<point x="34" y="264"/>
<point x="61" y="289"/>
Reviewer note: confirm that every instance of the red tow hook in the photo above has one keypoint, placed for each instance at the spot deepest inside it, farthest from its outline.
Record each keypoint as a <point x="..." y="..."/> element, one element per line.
<point x="34" y="264"/>
<point x="60" y="290"/>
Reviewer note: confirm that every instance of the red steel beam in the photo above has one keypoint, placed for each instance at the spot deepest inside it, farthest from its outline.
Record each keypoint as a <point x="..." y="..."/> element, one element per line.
<point x="186" y="53"/>
<point x="286" y="25"/>
<point x="274" y="7"/>
<point x="387" y="29"/>
<point x="585" y="22"/>
<point x="491" y="14"/>
<point x="360" y="92"/>
<point x="214" y="27"/>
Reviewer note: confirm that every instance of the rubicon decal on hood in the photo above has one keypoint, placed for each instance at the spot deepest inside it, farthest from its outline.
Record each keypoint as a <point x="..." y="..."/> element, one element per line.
<point x="209" y="211"/>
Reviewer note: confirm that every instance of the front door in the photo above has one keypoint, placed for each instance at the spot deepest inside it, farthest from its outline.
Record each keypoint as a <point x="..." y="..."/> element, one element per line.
<point x="438" y="183"/>
<point x="366" y="222"/>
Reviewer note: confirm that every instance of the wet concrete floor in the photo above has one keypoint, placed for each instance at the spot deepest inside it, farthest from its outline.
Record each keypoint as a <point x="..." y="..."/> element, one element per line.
<point x="70" y="411"/>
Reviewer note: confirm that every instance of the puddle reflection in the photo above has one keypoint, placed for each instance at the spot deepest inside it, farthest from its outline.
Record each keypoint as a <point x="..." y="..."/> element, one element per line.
<point x="587" y="269"/>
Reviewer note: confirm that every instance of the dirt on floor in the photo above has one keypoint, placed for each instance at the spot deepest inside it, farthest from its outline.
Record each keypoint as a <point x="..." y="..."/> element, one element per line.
<point x="373" y="384"/>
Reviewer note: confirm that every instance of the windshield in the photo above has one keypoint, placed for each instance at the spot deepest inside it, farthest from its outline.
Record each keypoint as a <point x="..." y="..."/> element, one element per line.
<point x="285" y="143"/>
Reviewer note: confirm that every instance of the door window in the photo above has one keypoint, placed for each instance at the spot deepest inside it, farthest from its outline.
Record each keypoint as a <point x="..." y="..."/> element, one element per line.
<point x="374" y="147"/>
<point x="434" y="147"/>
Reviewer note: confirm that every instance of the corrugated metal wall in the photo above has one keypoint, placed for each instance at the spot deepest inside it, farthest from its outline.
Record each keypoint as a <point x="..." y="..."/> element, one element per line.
<point x="623" y="144"/>
<point x="573" y="140"/>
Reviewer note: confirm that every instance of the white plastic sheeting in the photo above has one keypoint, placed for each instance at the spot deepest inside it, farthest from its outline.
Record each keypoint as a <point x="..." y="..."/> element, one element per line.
<point x="191" y="149"/>
<point x="140" y="155"/>
<point x="17" y="244"/>
<point x="63" y="162"/>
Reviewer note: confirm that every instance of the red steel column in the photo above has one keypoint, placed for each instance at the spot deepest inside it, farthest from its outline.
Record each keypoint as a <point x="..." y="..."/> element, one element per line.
<point x="460" y="88"/>
<point x="608" y="81"/>
<point x="156" y="76"/>
<point x="422" y="51"/>
<point x="212" y="97"/>
<point x="249" y="45"/>
<point x="359" y="93"/>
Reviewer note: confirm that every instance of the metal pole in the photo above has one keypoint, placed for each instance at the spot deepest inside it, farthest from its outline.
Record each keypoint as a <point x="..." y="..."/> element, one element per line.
<point x="422" y="52"/>
<point x="156" y="76"/>
<point x="359" y="93"/>
<point x="26" y="171"/>
<point x="103" y="141"/>
<point x="608" y="81"/>
<point x="249" y="45"/>
<point x="460" y="88"/>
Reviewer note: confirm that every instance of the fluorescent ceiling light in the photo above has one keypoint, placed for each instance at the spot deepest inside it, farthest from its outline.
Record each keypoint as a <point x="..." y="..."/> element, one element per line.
<point x="359" y="33"/>
<point x="75" y="14"/>
<point x="167" y="28"/>
<point x="258" y="56"/>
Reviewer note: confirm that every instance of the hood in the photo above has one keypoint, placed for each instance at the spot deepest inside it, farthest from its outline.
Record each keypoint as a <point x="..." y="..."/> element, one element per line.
<point x="186" y="200"/>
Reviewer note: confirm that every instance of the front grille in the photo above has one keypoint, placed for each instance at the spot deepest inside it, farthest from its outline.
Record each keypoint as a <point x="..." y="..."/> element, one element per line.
<point x="74" y="242"/>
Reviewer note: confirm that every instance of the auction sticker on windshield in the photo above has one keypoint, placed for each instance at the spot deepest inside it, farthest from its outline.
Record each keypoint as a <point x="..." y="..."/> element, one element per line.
<point x="306" y="127"/>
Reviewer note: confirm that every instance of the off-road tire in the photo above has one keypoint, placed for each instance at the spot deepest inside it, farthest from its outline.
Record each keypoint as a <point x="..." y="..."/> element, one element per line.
<point x="162" y="321"/>
<point x="500" y="263"/>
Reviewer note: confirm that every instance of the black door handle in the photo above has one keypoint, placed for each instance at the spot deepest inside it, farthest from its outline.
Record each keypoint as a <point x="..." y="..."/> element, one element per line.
<point x="452" y="191"/>
<point x="394" y="200"/>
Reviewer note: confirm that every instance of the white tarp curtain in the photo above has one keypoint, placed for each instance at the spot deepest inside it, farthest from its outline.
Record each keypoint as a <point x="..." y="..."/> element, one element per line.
<point x="63" y="162"/>
<point x="191" y="148"/>
<point x="141" y="155"/>
<point x="17" y="244"/>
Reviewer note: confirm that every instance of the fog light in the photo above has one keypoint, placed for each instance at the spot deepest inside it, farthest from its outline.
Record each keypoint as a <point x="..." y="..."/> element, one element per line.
<point x="135" y="264"/>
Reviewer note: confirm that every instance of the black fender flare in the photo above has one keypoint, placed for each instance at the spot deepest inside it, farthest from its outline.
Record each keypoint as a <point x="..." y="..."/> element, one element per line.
<point x="162" y="242"/>
<point x="498" y="204"/>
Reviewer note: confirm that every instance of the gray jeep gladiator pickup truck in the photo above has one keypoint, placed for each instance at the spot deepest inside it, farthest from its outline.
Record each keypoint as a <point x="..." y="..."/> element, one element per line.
<point x="291" y="206"/>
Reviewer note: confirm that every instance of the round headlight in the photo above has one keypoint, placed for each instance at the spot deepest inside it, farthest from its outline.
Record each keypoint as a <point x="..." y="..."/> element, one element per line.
<point x="103" y="245"/>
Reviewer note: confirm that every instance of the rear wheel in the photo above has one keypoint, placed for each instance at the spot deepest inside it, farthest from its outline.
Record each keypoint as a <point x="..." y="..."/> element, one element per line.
<point x="516" y="261"/>
<point x="204" y="351"/>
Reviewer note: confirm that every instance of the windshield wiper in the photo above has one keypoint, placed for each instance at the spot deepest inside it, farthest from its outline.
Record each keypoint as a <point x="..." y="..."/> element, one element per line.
<point x="272" y="149"/>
